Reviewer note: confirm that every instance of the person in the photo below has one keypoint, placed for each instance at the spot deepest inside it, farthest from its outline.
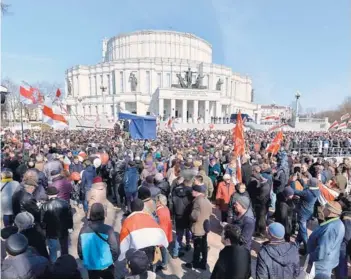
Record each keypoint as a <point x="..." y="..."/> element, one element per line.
<point x="57" y="221"/>
<point x="61" y="183"/>
<point x="65" y="267"/>
<point x="76" y="165"/>
<point x="23" y="199"/>
<point x="25" y="223"/>
<point x="39" y="167"/>
<point x="6" y="232"/>
<point x="214" y="171"/>
<point x="308" y="198"/>
<point x="181" y="201"/>
<point x="130" y="183"/>
<point x="324" y="243"/>
<point x="200" y="218"/>
<point x="246" y="170"/>
<point x="206" y="181"/>
<point x="89" y="173"/>
<point x="97" y="194"/>
<point x="21" y="261"/>
<point x="234" y="261"/>
<point x="149" y="183"/>
<point x="53" y="164"/>
<point x="285" y="211"/>
<point x="97" y="245"/>
<point x="164" y="216"/>
<point x="224" y="192"/>
<point x="188" y="173"/>
<point x="8" y="188"/>
<point x="162" y="184"/>
<point x="138" y="265"/>
<point x="277" y="259"/>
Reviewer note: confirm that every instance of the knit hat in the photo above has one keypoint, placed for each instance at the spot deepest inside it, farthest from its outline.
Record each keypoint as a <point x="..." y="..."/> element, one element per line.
<point x="97" y="212"/>
<point x="66" y="267"/>
<point x="288" y="191"/>
<point x="276" y="231"/>
<point x="52" y="191"/>
<point x="137" y="205"/>
<point x="144" y="193"/>
<point x="158" y="177"/>
<point x="8" y="231"/>
<point x="138" y="261"/>
<point x="335" y="208"/>
<point x="244" y="201"/>
<point x="24" y="220"/>
<point x="226" y="177"/>
<point x="16" y="244"/>
<point x="198" y="188"/>
<point x="97" y="179"/>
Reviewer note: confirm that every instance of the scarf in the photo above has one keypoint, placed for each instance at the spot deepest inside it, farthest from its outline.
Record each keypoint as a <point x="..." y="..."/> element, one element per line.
<point x="6" y="180"/>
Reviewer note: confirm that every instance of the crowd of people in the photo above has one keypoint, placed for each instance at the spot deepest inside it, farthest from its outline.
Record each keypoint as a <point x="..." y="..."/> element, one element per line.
<point x="168" y="190"/>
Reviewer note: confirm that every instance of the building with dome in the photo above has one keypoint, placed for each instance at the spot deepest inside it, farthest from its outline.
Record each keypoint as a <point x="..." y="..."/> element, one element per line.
<point x="162" y="73"/>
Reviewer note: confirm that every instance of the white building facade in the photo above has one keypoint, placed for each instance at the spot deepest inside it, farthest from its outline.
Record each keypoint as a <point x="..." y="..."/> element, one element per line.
<point x="163" y="73"/>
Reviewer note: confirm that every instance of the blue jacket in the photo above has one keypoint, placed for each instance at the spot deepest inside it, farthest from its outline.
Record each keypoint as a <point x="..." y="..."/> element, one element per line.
<point x="324" y="244"/>
<point x="346" y="219"/>
<point x="278" y="260"/>
<point x="97" y="252"/>
<point x="130" y="180"/>
<point x="87" y="179"/>
<point x="308" y="198"/>
<point x="76" y="167"/>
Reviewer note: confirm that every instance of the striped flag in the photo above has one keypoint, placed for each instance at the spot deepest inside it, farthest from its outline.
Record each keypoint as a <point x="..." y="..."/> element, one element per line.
<point x="239" y="144"/>
<point x="345" y="117"/>
<point x="30" y="96"/>
<point x="277" y="126"/>
<point x="334" y="125"/>
<point x="52" y="115"/>
<point x="342" y="125"/>
<point x="271" y="118"/>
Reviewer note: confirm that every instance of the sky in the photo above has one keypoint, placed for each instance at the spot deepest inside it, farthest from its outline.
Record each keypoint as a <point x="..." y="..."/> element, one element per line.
<point x="284" y="46"/>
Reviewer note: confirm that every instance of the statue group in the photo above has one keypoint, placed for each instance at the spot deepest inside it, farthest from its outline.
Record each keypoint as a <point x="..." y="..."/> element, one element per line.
<point x="187" y="81"/>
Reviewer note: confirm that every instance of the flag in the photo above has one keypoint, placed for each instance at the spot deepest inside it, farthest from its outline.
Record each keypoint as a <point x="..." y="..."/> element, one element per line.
<point x="271" y="118"/>
<point x="342" y="125"/>
<point x="58" y="93"/>
<point x="334" y="125"/>
<point x="139" y="230"/>
<point x="53" y="116"/>
<point x="345" y="117"/>
<point x="239" y="144"/>
<point x="30" y="96"/>
<point x="275" y="145"/>
<point x="276" y="127"/>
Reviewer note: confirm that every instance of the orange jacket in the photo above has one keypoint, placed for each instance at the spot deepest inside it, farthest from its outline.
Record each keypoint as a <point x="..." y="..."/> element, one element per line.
<point x="223" y="195"/>
<point x="164" y="216"/>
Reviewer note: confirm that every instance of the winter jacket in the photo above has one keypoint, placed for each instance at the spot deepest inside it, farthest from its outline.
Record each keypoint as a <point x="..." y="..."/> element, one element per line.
<point x="53" y="165"/>
<point x="247" y="225"/>
<point x="165" y="221"/>
<point x="97" y="194"/>
<point x="188" y="173"/>
<point x="200" y="215"/>
<point x="181" y="202"/>
<point x="246" y="170"/>
<point x="224" y="193"/>
<point x="130" y="181"/>
<point x="63" y="186"/>
<point x="234" y="262"/>
<point x="118" y="172"/>
<point x="324" y="244"/>
<point x="278" y="260"/>
<point x="97" y="246"/>
<point x="57" y="218"/>
<point x="76" y="167"/>
<point x="284" y="214"/>
<point x="23" y="201"/>
<point x="8" y="188"/>
<point x="211" y="172"/>
<point x="43" y="181"/>
<point x="164" y="187"/>
<point x="346" y="244"/>
<point x="308" y="198"/>
<point x="208" y="183"/>
<point x="37" y="240"/>
<point x="28" y="265"/>
<point x="87" y="179"/>
<point x="259" y="190"/>
<point x="232" y="200"/>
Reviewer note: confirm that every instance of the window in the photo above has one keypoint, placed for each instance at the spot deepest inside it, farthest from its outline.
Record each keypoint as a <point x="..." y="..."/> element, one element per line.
<point x="90" y="89"/>
<point x="108" y="84"/>
<point x="168" y="80"/>
<point x="113" y="82"/>
<point x="159" y="80"/>
<point x="147" y="82"/>
<point x="121" y="81"/>
<point x="96" y="109"/>
<point x="95" y="85"/>
<point x="112" y="110"/>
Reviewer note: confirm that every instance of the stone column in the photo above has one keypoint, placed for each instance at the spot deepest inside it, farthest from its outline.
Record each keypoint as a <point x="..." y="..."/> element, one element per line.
<point x="185" y="109"/>
<point x="160" y="107"/>
<point x="218" y="109"/>
<point x="207" y="112"/>
<point x="196" y="111"/>
<point x="173" y="107"/>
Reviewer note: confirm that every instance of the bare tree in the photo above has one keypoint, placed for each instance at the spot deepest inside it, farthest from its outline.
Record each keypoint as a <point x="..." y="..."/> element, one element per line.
<point x="336" y="114"/>
<point x="4" y="8"/>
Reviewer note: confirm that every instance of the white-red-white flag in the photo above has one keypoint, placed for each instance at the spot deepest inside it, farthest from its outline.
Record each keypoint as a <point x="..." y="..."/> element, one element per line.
<point x="342" y="125"/>
<point x="52" y="115"/>
<point x="333" y="125"/>
<point x="267" y="118"/>
<point x="30" y="96"/>
<point x="345" y="117"/>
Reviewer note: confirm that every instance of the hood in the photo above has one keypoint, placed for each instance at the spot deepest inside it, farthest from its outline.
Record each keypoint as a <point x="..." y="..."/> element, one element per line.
<point x="181" y="191"/>
<point x="99" y="186"/>
<point x="89" y="168"/>
<point x="281" y="253"/>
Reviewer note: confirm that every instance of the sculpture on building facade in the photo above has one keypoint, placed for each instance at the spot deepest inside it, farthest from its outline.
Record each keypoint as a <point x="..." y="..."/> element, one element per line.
<point x="133" y="81"/>
<point x="219" y="84"/>
<point x="189" y="77"/>
<point x="187" y="81"/>
<point x="181" y="81"/>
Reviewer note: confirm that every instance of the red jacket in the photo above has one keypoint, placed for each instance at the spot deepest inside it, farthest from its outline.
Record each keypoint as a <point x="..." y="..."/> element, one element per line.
<point x="223" y="195"/>
<point x="164" y="216"/>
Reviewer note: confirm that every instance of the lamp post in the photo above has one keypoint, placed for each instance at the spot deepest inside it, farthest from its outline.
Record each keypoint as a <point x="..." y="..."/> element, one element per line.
<point x="297" y="97"/>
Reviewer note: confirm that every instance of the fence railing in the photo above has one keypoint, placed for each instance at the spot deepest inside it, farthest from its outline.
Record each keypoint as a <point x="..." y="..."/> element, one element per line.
<point x="325" y="152"/>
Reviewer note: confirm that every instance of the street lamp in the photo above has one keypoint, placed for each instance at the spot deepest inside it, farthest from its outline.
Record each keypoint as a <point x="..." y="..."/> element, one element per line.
<point x="297" y="97"/>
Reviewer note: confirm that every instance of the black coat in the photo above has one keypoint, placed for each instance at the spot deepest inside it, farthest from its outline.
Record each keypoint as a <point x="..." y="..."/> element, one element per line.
<point x="259" y="190"/>
<point x="234" y="262"/>
<point x="57" y="218"/>
<point x="164" y="187"/>
<point x="23" y="201"/>
<point x="284" y="214"/>
<point x="36" y="240"/>
<point x="246" y="171"/>
<point x="181" y="206"/>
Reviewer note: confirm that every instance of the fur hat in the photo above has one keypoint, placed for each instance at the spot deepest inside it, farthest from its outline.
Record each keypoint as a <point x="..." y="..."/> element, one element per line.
<point x="16" y="244"/>
<point x="24" y="220"/>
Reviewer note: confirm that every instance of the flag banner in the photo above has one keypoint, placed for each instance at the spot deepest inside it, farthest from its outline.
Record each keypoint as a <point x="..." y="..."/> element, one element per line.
<point x="345" y="117"/>
<point x="275" y="145"/>
<point x="277" y="126"/>
<point x="334" y="125"/>
<point x="239" y="144"/>
<point x="342" y="125"/>
<point x="52" y="115"/>
<point x="30" y="96"/>
<point x="275" y="118"/>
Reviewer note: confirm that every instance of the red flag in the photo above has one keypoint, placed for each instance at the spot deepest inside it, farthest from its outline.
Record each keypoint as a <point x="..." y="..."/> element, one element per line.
<point x="275" y="145"/>
<point x="239" y="144"/>
<point x="333" y="125"/>
<point x="58" y="93"/>
<point x="30" y="96"/>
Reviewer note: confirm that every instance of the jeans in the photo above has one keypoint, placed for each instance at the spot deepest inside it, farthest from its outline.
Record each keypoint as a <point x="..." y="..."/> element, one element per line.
<point x="164" y="253"/>
<point x="115" y="194"/>
<point x="200" y="249"/>
<point x="179" y="238"/>
<point x="8" y="220"/>
<point x="302" y="233"/>
<point x="107" y="273"/>
<point x="130" y="197"/>
<point x="85" y="206"/>
<point x="53" y="247"/>
<point x="341" y="270"/>
<point x="273" y="199"/>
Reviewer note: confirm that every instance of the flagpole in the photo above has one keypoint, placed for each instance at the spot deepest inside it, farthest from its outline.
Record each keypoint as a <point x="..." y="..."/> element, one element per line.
<point x="22" y="131"/>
